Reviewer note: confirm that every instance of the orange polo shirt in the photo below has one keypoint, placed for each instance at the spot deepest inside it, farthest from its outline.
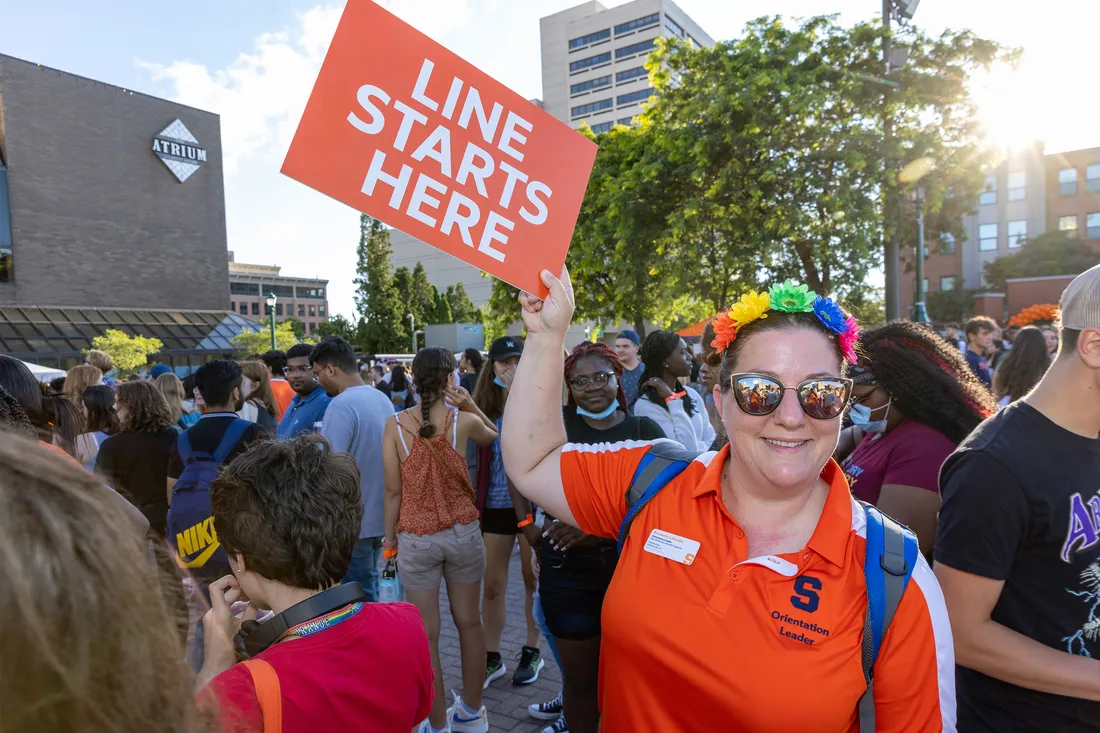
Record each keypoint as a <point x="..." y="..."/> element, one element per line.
<point x="283" y="394"/>
<point x="733" y="643"/>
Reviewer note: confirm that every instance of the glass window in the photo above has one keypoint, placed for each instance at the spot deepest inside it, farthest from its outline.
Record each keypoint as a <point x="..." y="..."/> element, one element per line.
<point x="312" y="311"/>
<point x="255" y="308"/>
<point x="244" y="288"/>
<point x="602" y="127"/>
<point x="630" y="74"/>
<point x="625" y="120"/>
<point x="987" y="237"/>
<point x="636" y="48"/>
<point x="1068" y="224"/>
<point x="580" y="64"/>
<point x="947" y="244"/>
<point x="584" y="86"/>
<point x="587" y="109"/>
<point x="301" y="309"/>
<point x="989" y="192"/>
<point x="1017" y="233"/>
<point x="282" y="291"/>
<point x="590" y="38"/>
<point x="634" y="96"/>
<point x="1092" y="226"/>
<point x="6" y="272"/>
<point x="638" y="23"/>
<point x="244" y="308"/>
<point x="278" y="309"/>
<point x="673" y="26"/>
<point x="321" y="311"/>
<point x="1017" y="186"/>
<point x="1067" y="182"/>
<point x="1092" y="177"/>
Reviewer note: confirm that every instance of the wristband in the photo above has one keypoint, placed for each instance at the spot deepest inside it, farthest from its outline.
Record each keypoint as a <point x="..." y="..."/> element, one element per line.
<point x="528" y="521"/>
<point x="675" y="396"/>
<point x="389" y="554"/>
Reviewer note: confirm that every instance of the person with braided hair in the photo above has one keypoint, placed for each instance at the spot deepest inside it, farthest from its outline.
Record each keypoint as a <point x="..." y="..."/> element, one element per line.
<point x="355" y="420"/>
<point x="679" y="410"/>
<point x="915" y="398"/>
<point x="13" y="418"/>
<point x="432" y="525"/>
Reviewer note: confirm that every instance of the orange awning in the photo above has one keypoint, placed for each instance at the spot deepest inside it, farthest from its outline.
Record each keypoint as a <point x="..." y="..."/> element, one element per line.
<point x="695" y="330"/>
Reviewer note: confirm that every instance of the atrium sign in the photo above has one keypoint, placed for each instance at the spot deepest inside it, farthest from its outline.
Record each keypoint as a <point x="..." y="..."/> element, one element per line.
<point x="179" y="150"/>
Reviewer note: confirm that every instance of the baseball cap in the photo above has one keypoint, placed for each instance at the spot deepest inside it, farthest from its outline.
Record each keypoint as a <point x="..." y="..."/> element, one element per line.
<point x="861" y="374"/>
<point x="159" y="369"/>
<point x="1081" y="301"/>
<point x="629" y="334"/>
<point x="506" y="347"/>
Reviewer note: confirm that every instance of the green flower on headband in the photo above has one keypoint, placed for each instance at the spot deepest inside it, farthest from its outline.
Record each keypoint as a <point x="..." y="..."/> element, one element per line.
<point x="792" y="298"/>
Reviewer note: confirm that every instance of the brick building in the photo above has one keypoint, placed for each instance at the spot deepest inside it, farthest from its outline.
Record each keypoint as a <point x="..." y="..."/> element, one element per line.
<point x="303" y="298"/>
<point x="112" y="215"/>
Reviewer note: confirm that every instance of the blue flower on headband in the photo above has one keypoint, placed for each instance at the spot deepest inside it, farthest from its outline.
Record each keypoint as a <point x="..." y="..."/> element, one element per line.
<point x="829" y="313"/>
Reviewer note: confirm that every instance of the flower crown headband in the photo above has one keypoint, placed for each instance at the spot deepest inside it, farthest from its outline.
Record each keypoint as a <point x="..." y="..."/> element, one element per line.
<point x="788" y="298"/>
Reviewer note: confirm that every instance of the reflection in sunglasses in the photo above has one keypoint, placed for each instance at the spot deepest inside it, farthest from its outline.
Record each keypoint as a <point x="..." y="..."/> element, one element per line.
<point x="820" y="398"/>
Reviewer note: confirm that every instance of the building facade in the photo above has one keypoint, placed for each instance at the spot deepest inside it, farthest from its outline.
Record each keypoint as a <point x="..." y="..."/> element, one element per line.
<point x="593" y="58"/>
<point x="304" y="298"/>
<point x="441" y="268"/>
<point x="112" y="215"/>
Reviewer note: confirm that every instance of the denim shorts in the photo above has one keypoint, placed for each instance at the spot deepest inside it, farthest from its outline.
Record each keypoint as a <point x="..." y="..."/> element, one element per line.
<point x="457" y="554"/>
<point x="572" y="591"/>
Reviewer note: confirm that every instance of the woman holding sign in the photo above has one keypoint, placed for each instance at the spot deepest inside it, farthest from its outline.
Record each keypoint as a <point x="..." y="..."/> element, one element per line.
<point x="744" y="573"/>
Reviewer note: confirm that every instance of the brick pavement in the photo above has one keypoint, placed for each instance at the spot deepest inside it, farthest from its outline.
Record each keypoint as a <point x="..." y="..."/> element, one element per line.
<point x="507" y="704"/>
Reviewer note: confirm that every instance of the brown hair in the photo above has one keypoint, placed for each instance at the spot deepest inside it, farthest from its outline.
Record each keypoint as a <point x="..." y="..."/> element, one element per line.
<point x="776" y="321"/>
<point x="148" y="410"/>
<point x="99" y="404"/>
<point x="101" y="360"/>
<point x="257" y="372"/>
<point x="980" y="323"/>
<point x="488" y="395"/>
<point x="89" y="644"/>
<point x="431" y="367"/>
<point x="78" y="379"/>
<point x="1023" y="366"/>
<point x="55" y="418"/>
<point x="169" y="385"/>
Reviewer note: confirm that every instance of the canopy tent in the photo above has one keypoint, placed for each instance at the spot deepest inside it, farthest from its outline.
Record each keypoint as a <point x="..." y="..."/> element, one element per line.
<point x="43" y="374"/>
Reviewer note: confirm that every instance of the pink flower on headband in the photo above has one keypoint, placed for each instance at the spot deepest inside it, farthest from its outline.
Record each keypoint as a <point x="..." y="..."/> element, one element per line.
<point x="849" y="338"/>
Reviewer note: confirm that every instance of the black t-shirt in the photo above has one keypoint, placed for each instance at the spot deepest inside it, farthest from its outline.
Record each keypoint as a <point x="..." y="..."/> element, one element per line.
<point x="1021" y="503"/>
<point x="468" y="381"/>
<point x="135" y="465"/>
<point x="383" y="387"/>
<point x="207" y="433"/>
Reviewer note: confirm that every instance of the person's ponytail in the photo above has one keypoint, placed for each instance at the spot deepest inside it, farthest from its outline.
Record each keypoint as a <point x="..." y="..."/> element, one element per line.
<point x="431" y="368"/>
<point x="427" y="430"/>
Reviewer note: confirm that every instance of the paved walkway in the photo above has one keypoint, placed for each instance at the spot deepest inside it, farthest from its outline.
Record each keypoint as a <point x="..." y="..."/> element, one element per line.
<point x="507" y="704"/>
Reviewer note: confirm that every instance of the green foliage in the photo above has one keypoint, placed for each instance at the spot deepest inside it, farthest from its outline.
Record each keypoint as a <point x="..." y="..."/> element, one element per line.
<point x="127" y="352"/>
<point x="382" y="319"/>
<point x="296" y="326"/>
<point x="501" y="311"/>
<point x="462" y="309"/>
<point x="1052" y="253"/>
<point x="421" y="296"/>
<point x="441" y="313"/>
<point x="336" y="326"/>
<point x="950" y="305"/>
<point x="257" y="342"/>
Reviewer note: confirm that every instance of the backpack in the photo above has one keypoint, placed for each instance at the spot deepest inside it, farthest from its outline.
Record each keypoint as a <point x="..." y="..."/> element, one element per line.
<point x="268" y="692"/>
<point x="190" y="526"/>
<point x="891" y="557"/>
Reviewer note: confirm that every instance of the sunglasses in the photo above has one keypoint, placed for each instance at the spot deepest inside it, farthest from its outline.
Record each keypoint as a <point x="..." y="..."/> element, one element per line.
<point x="822" y="398"/>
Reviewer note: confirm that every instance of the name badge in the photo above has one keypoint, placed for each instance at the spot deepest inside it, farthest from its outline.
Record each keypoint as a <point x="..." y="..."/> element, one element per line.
<point x="672" y="546"/>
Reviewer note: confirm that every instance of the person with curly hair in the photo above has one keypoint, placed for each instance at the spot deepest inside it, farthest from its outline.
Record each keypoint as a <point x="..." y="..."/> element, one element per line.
<point x="1022" y="367"/>
<point x="915" y="398"/>
<point x="13" y="418"/>
<point x="678" y="409"/>
<point x="432" y="524"/>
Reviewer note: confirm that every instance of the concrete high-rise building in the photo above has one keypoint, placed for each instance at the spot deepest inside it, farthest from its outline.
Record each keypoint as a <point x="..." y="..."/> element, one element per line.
<point x="593" y="58"/>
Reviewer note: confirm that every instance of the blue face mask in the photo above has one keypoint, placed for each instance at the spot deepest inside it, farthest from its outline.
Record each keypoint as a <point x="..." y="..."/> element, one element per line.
<point x="602" y="414"/>
<point x="500" y="383"/>
<point x="861" y="418"/>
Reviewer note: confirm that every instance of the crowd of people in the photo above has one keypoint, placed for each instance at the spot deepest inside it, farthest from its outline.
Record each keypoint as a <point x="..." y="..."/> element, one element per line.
<point x="904" y="526"/>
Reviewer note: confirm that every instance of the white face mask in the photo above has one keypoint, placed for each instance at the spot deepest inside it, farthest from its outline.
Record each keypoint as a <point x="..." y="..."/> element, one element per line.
<point x="861" y="418"/>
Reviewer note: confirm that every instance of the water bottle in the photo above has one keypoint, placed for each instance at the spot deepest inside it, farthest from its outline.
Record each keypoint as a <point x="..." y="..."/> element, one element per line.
<point x="389" y="587"/>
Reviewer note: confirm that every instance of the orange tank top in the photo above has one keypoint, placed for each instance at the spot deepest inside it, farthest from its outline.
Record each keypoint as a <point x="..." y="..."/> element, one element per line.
<point x="436" y="493"/>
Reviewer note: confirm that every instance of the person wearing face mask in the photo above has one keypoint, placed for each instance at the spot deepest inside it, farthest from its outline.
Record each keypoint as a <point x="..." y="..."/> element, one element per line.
<point x="745" y="576"/>
<point x="679" y="410"/>
<point x="914" y="400"/>
<point x="504" y="512"/>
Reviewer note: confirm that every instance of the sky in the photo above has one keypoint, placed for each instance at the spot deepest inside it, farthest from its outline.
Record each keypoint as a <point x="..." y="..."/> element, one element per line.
<point x="254" y="63"/>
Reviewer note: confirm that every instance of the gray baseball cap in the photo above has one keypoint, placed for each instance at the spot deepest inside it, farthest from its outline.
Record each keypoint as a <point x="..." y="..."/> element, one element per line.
<point x="1081" y="301"/>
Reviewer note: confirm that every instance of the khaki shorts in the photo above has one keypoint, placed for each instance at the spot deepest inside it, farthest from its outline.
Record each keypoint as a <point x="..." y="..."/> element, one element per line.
<point x="457" y="554"/>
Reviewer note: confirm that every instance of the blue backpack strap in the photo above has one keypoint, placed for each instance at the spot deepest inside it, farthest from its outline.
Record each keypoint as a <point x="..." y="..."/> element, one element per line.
<point x="229" y="439"/>
<point x="663" y="462"/>
<point x="891" y="558"/>
<point x="183" y="447"/>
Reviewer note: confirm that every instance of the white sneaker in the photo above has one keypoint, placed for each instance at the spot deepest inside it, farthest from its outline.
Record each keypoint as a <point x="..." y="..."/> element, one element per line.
<point x="426" y="727"/>
<point x="459" y="722"/>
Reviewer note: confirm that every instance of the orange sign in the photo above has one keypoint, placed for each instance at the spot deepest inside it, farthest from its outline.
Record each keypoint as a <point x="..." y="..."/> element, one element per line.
<point x="402" y="129"/>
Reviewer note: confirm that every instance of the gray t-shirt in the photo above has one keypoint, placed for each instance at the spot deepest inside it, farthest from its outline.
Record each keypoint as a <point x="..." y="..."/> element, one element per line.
<point x="354" y="423"/>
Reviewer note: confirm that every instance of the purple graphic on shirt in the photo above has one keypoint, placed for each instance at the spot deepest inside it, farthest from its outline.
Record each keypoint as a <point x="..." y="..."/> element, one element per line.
<point x="1084" y="525"/>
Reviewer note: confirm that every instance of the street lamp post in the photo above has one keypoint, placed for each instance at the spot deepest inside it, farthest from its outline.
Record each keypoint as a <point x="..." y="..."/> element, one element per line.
<point x="920" y="313"/>
<point x="412" y="331"/>
<point x="271" y="312"/>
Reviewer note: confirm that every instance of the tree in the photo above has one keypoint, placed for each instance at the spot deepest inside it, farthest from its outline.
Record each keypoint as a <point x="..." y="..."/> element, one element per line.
<point x="296" y="326"/>
<point x="441" y="313"/>
<point x="127" y="352"/>
<point x="421" y="296"/>
<point x="501" y="311"/>
<point x="257" y="342"/>
<point x="1052" y="253"/>
<point x="462" y="309"/>
<point x="951" y="305"/>
<point x="336" y="326"/>
<point x="376" y="299"/>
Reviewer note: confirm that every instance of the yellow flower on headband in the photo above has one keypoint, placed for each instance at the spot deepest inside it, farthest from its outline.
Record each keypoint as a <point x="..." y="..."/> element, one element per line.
<point x="752" y="306"/>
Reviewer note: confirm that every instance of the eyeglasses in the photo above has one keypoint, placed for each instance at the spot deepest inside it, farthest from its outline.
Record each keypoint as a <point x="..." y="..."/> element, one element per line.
<point x="822" y="398"/>
<point x="599" y="379"/>
<point x="289" y="370"/>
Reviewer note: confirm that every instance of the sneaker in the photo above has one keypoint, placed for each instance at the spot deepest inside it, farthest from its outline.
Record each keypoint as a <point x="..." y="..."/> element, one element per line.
<point x="494" y="669"/>
<point x="426" y="727"/>
<point x="530" y="664"/>
<point x="559" y="726"/>
<point x="459" y="719"/>
<point x="549" y="710"/>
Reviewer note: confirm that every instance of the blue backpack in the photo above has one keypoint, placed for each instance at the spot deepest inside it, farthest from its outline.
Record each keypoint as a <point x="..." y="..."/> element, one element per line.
<point x="190" y="526"/>
<point x="891" y="557"/>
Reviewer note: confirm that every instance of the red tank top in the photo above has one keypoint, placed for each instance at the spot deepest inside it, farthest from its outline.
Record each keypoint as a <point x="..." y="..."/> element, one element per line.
<point x="436" y="493"/>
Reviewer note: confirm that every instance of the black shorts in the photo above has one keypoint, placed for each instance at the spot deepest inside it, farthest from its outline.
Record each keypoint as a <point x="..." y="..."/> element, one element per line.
<point x="499" y="521"/>
<point x="572" y="591"/>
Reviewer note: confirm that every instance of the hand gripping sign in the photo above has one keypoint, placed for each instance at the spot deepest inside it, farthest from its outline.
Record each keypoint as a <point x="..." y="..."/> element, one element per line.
<point x="402" y="129"/>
